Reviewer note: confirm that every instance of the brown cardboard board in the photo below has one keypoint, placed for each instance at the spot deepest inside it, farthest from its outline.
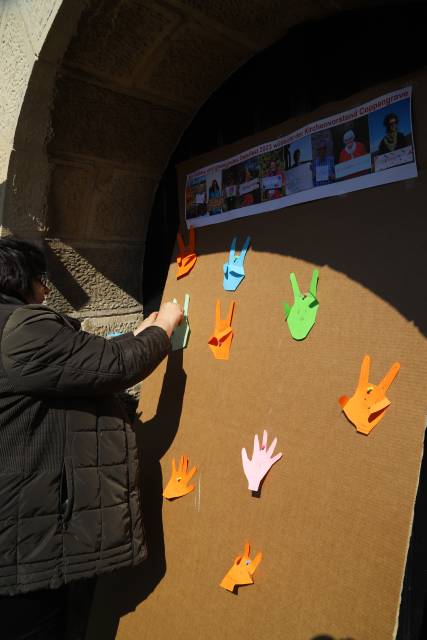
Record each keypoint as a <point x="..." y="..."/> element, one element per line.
<point x="334" y="516"/>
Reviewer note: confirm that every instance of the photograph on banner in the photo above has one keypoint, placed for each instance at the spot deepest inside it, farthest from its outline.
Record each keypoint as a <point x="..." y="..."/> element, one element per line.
<point x="214" y="191"/>
<point x="298" y="174"/>
<point x="249" y="182"/>
<point x="273" y="181"/>
<point x="352" y="149"/>
<point x="229" y="188"/>
<point x="363" y="147"/>
<point x="323" y="162"/>
<point x="195" y="196"/>
<point x="391" y="135"/>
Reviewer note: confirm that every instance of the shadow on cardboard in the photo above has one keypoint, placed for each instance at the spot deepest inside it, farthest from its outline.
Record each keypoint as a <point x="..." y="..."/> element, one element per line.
<point x="122" y="591"/>
<point x="376" y="237"/>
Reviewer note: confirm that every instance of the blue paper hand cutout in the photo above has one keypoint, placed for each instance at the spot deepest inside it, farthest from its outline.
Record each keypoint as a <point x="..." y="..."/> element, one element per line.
<point x="234" y="271"/>
<point x="302" y="315"/>
<point x="179" y="338"/>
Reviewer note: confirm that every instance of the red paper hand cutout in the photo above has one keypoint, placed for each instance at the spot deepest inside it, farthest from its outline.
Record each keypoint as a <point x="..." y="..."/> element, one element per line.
<point x="220" y="341"/>
<point x="242" y="570"/>
<point x="368" y="404"/>
<point x="187" y="255"/>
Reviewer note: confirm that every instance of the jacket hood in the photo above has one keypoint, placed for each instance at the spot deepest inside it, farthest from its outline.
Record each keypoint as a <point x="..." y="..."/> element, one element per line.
<point x="7" y="299"/>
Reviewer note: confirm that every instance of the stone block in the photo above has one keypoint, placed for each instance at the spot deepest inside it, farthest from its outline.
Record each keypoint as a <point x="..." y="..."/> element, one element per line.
<point x="95" y="122"/>
<point x="121" y="205"/>
<point x="95" y="279"/>
<point x="113" y="36"/>
<point x="62" y="30"/>
<point x="103" y="325"/>
<point x="5" y="152"/>
<point x="33" y="125"/>
<point x="38" y="16"/>
<point x="25" y="200"/>
<point x="193" y="63"/>
<point x="16" y="62"/>
<point x="68" y="203"/>
<point x="260" y="21"/>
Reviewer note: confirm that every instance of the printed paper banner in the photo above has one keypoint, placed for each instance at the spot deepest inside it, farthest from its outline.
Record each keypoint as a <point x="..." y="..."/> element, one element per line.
<point x="231" y="191"/>
<point x="355" y="165"/>
<point x="369" y="145"/>
<point x="272" y="182"/>
<point x="247" y="187"/>
<point x="401" y="156"/>
<point x="299" y="179"/>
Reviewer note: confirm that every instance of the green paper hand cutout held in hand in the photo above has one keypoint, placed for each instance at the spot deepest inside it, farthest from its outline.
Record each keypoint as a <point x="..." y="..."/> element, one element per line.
<point x="302" y="315"/>
<point x="179" y="338"/>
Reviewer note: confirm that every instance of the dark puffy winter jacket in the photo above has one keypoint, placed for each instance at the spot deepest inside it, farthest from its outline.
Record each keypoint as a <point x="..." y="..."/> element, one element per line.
<point x="69" y="496"/>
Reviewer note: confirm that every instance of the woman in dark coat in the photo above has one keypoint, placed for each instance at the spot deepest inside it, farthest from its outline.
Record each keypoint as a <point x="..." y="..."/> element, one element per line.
<point x="69" y="498"/>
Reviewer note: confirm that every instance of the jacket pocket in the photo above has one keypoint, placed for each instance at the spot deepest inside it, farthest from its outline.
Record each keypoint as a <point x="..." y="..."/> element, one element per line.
<point x="66" y="492"/>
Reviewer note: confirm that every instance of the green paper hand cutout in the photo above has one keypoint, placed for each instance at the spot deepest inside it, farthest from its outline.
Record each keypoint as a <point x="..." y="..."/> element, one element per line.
<point x="302" y="315"/>
<point x="179" y="338"/>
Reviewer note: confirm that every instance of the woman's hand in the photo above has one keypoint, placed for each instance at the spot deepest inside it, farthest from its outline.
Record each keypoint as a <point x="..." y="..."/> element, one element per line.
<point x="170" y="315"/>
<point x="148" y="322"/>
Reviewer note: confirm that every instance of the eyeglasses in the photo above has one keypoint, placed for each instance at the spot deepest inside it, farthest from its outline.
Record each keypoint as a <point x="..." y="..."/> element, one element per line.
<point x="43" y="279"/>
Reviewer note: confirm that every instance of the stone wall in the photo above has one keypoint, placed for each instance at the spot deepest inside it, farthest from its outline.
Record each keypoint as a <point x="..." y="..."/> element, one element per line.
<point x="30" y="52"/>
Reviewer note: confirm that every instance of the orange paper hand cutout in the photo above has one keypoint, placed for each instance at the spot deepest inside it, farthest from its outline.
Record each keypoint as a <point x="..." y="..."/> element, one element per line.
<point x="368" y="404"/>
<point x="178" y="484"/>
<point x="242" y="570"/>
<point x="187" y="255"/>
<point x="220" y="341"/>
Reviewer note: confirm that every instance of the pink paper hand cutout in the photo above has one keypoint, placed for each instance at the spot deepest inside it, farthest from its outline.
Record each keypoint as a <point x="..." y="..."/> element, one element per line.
<point x="261" y="463"/>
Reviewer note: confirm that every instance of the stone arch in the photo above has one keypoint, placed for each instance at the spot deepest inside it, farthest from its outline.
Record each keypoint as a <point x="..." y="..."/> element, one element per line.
<point x="125" y="78"/>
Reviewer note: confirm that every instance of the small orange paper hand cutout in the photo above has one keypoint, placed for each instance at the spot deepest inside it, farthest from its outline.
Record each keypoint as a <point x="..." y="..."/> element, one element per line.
<point x="242" y="570"/>
<point x="178" y="484"/>
<point x="187" y="257"/>
<point x="220" y="341"/>
<point x="368" y="404"/>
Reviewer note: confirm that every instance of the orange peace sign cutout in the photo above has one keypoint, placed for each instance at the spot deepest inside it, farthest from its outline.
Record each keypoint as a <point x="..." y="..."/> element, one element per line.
<point x="187" y="257"/>
<point x="369" y="402"/>
<point x="242" y="570"/>
<point x="220" y="341"/>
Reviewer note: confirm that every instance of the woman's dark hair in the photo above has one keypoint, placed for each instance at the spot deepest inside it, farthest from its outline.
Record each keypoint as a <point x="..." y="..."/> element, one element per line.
<point x="20" y="264"/>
